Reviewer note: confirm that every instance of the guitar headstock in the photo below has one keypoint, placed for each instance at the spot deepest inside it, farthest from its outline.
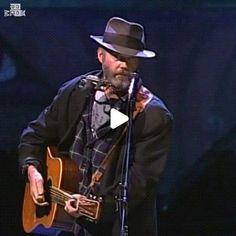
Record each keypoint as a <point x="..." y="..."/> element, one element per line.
<point x="90" y="207"/>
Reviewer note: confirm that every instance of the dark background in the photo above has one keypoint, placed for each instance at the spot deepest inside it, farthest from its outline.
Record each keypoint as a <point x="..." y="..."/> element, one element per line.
<point x="194" y="73"/>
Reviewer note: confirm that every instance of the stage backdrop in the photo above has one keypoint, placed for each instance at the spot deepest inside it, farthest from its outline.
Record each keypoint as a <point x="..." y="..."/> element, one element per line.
<point x="194" y="73"/>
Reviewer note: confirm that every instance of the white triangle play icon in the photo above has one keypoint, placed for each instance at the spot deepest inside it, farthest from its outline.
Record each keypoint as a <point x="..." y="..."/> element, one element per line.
<point x="117" y="118"/>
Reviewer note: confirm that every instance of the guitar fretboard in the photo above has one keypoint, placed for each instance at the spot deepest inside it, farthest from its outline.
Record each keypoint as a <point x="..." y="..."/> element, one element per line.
<point x="58" y="195"/>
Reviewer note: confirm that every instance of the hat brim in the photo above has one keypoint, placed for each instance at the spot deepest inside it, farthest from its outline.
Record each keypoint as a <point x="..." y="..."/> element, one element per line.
<point x="123" y="50"/>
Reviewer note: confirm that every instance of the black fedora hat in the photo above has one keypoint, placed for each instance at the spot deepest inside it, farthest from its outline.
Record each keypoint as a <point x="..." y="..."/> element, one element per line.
<point x="124" y="37"/>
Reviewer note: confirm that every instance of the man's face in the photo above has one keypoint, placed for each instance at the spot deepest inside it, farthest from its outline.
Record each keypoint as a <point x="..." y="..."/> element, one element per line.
<point x="117" y="68"/>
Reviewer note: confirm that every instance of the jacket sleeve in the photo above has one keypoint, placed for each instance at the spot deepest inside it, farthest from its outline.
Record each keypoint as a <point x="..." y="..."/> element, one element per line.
<point x="39" y="134"/>
<point x="150" y="153"/>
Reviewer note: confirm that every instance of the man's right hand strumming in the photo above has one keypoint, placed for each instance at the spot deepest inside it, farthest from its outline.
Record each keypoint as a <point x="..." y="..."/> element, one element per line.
<point x="36" y="186"/>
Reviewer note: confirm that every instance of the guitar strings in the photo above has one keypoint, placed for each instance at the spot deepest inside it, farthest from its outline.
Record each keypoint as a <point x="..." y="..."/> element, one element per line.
<point x="58" y="195"/>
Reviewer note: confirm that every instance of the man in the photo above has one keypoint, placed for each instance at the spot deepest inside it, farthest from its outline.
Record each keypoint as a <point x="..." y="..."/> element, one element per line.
<point x="77" y="123"/>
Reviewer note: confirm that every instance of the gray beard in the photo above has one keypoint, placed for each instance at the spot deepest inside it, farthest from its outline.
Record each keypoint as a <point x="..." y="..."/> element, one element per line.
<point x="119" y="84"/>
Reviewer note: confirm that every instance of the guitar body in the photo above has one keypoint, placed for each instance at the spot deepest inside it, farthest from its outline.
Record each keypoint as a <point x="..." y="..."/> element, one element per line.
<point x="63" y="174"/>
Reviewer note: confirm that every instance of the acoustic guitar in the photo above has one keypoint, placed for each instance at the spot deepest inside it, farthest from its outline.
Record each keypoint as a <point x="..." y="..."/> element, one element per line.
<point x="62" y="180"/>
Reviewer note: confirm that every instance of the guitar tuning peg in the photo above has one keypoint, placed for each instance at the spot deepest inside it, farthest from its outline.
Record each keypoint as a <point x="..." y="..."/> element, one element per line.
<point x="100" y="199"/>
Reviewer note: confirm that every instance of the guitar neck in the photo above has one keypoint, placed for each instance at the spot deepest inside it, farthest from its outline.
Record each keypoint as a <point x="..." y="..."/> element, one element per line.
<point x="59" y="196"/>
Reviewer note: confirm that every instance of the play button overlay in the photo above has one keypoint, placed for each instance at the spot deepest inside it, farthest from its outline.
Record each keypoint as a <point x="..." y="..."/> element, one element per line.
<point x="117" y="118"/>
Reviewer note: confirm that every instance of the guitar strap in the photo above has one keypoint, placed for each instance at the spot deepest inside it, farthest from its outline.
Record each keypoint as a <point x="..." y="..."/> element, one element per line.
<point x="143" y="97"/>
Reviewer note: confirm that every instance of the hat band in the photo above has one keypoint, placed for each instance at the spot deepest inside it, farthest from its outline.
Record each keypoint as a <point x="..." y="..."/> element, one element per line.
<point x="123" y="40"/>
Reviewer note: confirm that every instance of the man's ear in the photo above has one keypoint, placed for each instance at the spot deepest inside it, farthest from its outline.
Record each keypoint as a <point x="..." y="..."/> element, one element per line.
<point x="100" y="54"/>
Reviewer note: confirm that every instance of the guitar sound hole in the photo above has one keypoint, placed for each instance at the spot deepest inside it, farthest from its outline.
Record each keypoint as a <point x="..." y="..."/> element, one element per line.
<point x="42" y="211"/>
<point x="47" y="186"/>
<point x="45" y="210"/>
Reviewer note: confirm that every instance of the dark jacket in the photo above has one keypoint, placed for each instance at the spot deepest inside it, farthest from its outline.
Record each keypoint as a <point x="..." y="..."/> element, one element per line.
<point x="56" y="125"/>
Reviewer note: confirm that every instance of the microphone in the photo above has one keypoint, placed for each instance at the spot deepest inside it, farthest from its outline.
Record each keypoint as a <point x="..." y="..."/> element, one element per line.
<point x="133" y="85"/>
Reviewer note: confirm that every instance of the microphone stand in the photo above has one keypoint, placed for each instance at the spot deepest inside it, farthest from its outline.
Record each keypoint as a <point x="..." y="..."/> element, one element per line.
<point x="123" y="185"/>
